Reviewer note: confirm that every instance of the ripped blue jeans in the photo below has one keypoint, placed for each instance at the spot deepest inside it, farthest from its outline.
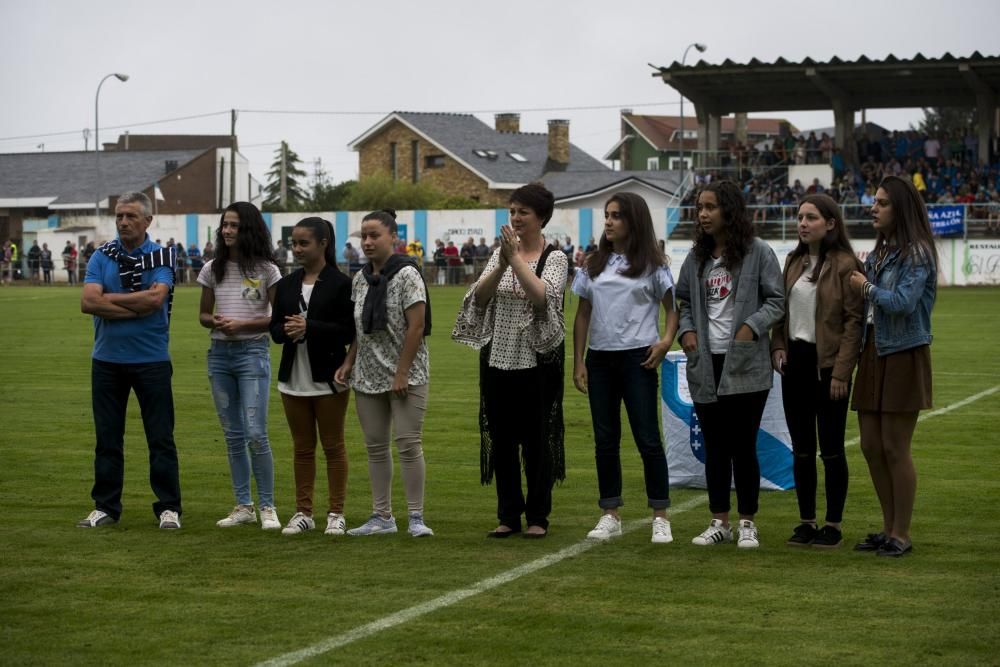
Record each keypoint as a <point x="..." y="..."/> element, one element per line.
<point x="240" y="375"/>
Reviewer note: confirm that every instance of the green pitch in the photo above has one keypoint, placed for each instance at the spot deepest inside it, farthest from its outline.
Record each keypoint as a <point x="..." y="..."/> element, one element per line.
<point x="132" y="594"/>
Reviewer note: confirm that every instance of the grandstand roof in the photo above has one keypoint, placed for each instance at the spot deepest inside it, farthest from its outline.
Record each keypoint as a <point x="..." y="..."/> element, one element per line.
<point x="811" y="85"/>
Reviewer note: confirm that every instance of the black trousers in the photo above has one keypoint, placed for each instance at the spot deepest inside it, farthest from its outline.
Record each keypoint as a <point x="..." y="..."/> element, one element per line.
<point x="111" y="384"/>
<point x="805" y="393"/>
<point x="729" y="428"/>
<point x="515" y="407"/>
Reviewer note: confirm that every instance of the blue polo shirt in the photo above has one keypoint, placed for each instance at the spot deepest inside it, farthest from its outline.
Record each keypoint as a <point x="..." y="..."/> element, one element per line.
<point x="139" y="341"/>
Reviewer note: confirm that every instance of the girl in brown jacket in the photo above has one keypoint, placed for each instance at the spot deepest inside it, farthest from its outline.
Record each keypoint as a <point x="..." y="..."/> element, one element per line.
<point x="815" y="347"/>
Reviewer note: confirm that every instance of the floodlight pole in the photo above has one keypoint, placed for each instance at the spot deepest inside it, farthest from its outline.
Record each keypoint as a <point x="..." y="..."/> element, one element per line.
<point x="701" y="49"/>
<point x="97" y="139"/>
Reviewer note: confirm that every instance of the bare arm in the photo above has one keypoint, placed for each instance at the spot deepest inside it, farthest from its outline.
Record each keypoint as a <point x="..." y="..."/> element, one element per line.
<point x="659" y="349"/>
<point x="581" y="327"/>
<point x="142" y="302"/>
<point x="94" y="301"/>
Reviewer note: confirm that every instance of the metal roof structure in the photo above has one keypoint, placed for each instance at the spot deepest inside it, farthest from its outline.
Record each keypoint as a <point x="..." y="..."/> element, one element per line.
<point x="861" y="84"/>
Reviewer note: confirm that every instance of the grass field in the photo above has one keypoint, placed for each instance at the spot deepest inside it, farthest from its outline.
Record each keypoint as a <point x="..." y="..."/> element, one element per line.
<point x="133" y="594"/>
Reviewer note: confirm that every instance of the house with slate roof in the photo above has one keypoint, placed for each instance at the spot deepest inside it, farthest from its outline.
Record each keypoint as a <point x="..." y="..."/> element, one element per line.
<point x="461" y="155"/>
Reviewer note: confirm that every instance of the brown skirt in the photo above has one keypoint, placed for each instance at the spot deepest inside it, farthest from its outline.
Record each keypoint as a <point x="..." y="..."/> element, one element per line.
<point x="897" y="382"/>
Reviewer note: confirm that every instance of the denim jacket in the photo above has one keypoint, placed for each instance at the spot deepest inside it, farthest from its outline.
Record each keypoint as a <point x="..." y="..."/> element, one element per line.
<point x="903" y="297"/>
<point x="759" y="292"/>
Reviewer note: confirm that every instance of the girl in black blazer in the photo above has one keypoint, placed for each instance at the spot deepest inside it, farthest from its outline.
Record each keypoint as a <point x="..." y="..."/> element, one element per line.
<point x="312" y="319"/>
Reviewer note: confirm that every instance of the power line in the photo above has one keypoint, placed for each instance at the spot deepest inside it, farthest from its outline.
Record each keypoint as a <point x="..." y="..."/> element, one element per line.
<point x="117" y="127"/>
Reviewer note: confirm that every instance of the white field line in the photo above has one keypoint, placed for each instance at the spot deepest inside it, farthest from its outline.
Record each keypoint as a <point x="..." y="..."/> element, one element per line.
<point x="448" y="599"/>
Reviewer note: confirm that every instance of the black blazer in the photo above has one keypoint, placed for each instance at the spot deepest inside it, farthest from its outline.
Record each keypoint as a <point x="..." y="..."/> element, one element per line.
<point x="329" y="322"/>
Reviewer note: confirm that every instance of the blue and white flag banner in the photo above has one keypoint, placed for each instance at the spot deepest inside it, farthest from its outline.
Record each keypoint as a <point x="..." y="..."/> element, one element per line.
<point x="685" y="445"/>
<point x="947" y="219"/>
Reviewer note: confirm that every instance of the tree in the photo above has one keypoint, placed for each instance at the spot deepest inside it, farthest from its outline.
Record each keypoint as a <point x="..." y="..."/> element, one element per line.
<point x="380" y="191"/>
<point x="326" y="197"/>
<point x="293" y="198"/>
<point x="939" y="121"/>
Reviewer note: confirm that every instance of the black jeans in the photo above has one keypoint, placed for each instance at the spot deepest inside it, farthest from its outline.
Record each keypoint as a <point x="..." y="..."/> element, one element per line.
<point x="729" y="427"/>
<point x="613" y="377"/>
<point x="111" y="384"/>
<point x="805" y="393"/>
<point x="515" y="409"/>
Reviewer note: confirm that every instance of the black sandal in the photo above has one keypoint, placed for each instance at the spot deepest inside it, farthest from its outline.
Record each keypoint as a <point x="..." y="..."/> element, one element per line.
<point x="873" y="542"/>
<point x="502" y="534"/>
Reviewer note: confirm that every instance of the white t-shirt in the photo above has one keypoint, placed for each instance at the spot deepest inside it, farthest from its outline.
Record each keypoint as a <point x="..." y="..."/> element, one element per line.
<point x="300" y="383"/>
<point x="719" y="301"/>
<point x="241" y="297"/>
<point x="802" y="306"/>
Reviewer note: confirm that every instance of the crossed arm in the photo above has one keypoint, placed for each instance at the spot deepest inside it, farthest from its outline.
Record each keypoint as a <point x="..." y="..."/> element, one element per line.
<point x="127" y="306"/>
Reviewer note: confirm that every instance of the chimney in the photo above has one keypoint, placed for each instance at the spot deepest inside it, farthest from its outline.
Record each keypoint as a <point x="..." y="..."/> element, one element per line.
<point x="559" y="142"/>
<point x="507" y="122"/>
<point x="126" y="139"/>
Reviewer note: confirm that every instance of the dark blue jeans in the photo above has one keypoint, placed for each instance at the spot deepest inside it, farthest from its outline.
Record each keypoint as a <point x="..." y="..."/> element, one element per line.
<point x="613" y="377"/>
<point x="111" y="384"/>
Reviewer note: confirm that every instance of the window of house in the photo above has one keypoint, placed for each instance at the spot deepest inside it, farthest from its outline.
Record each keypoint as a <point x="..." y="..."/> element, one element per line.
<point x="517" y="157"/>
<point x="433" y="161"/>
<point x="675" y="162"/>
<point x="652" y="164"/>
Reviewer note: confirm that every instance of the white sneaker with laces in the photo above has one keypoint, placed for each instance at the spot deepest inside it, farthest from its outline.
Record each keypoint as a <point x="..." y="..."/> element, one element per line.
<point x="269" y="518"/>
<point x="375" y="525"/>
<point x="417" y="527"/>
<point x="608" y="526"/>
<point x="716" y="533"/>
<point x="661" y="531"/>
<point x="299" y="523"/>
<point x="241" y="514"/>
<point x="96" y="519"/>
<point x="335" y="524"/>
<point x="747" y="535"/>
<point x="169" y="520"/>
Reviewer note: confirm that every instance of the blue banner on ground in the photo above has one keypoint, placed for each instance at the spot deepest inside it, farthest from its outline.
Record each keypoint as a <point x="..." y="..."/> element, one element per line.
<point x="947" y="219"/>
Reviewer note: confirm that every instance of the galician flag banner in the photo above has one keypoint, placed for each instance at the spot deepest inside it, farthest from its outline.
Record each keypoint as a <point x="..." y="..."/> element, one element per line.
<point x="685" y="445"/>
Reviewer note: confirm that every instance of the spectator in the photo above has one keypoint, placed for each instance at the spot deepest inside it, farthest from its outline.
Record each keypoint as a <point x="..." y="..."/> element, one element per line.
<point x="47" y="264"/>
<point x="932" y="149"/>
<point x="454" y="263"/>
<point x="468" y="254"/>
<point x="6" y="262"/>
<point x="281" y="256"/>
<point x="440" y="274"/>
<point x="353" y="258"/>
<point x="194" y="257"/>
<point x="69" y="255"/>
<point x="34" y="261"/>
<point x="208" y="252"/>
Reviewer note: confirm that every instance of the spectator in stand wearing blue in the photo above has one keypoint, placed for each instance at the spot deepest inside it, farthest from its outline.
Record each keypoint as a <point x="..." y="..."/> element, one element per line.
<point x="237" y="290"/>
<point x="899" y="287"/>
<point x="621" y="290"/>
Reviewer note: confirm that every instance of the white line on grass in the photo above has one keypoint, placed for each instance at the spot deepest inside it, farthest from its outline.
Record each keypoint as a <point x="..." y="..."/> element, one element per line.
<point x="456" y="596"/>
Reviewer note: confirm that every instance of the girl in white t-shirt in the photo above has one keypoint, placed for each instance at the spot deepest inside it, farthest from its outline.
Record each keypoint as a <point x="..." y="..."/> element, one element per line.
<point x="236" y="296"/>
<point x="621" y="289"/>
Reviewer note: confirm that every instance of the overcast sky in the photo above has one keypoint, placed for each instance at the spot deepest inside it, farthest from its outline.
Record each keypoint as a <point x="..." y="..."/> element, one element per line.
<point x="543" y="59"/>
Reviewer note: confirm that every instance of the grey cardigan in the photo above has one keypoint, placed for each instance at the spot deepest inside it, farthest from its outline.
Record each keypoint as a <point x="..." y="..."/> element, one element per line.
<point x="760" y="302"/>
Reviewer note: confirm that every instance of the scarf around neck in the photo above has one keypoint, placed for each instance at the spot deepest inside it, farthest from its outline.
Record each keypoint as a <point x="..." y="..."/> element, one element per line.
<point x="373" y="314"/>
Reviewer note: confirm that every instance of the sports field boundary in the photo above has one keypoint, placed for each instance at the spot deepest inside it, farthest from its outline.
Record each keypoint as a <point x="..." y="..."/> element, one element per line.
<point x="458" y="595"/>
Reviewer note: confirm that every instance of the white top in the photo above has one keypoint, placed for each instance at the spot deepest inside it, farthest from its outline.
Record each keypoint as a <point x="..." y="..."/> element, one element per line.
<point x="625" y="311"/>
<point x="300" y="382"/>
<point x="720" y="305"/>
<point x="241" y="297"/>
<point x="518" y="331"/>
<point x="378" y="352"/>
<point x="802" y="306"/>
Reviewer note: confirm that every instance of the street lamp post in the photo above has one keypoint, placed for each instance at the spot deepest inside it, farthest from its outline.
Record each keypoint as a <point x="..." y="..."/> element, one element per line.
<point x="97" y="139"/>
<point x="701" y="49"/>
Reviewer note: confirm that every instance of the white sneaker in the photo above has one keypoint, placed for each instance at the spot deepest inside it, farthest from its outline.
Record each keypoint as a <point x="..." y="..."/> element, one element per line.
<point x="661" y="531"/>
<point x="169" y="520"/>
<point x="335" y="524"/>
<point x="375" y="525"/>
<point x="417" y="527"/>
<point x="241" y="514"/>
<point x="607" y="527"/>
<point x="96" y="519"/>
<point x="299" y="523"/>
<point x="716" y="533"/>
<point x="747" y="535"/>
<point x="269" y="518"/>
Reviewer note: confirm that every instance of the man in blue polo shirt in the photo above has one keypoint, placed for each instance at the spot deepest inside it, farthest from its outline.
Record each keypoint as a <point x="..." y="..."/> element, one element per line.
<point x="127" y="290"/>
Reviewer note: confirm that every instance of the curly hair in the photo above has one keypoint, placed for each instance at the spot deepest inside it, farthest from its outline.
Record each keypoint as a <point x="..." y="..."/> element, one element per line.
<point x="739" y="229"/>
<point x="253" y="241"/>
<point x="642" y="251"/>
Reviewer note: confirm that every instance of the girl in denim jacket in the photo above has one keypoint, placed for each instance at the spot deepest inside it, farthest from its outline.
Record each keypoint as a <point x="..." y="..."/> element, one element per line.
<point x="894" y="375"/>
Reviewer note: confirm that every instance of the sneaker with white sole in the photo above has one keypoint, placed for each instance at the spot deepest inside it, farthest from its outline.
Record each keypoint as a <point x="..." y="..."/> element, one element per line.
<point x="716" y="533"/>
<point x="335" y="524"/>
<point x="661" y="531"/>
<point x="299" y="523"/>
<point x="169" y="520"/>
<point x="375" y="525"/>
<point x="241" y="514"/>
<point x="269" y="518"/>
<point x="747" y="535"/>
<point x="96" y="519"/>
<point x="608" y="526"/>
<point x="417" y="527"/>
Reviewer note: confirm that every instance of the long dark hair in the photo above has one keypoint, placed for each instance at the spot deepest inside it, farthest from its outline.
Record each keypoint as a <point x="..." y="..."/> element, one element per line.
<point x="642" y="251"/>
<point x="253" y="240"/>
<point x="909" y="215"/>
<point x="835" y="239"/>
<point x="739" y="229"/>
<point x="322" y="230"/>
